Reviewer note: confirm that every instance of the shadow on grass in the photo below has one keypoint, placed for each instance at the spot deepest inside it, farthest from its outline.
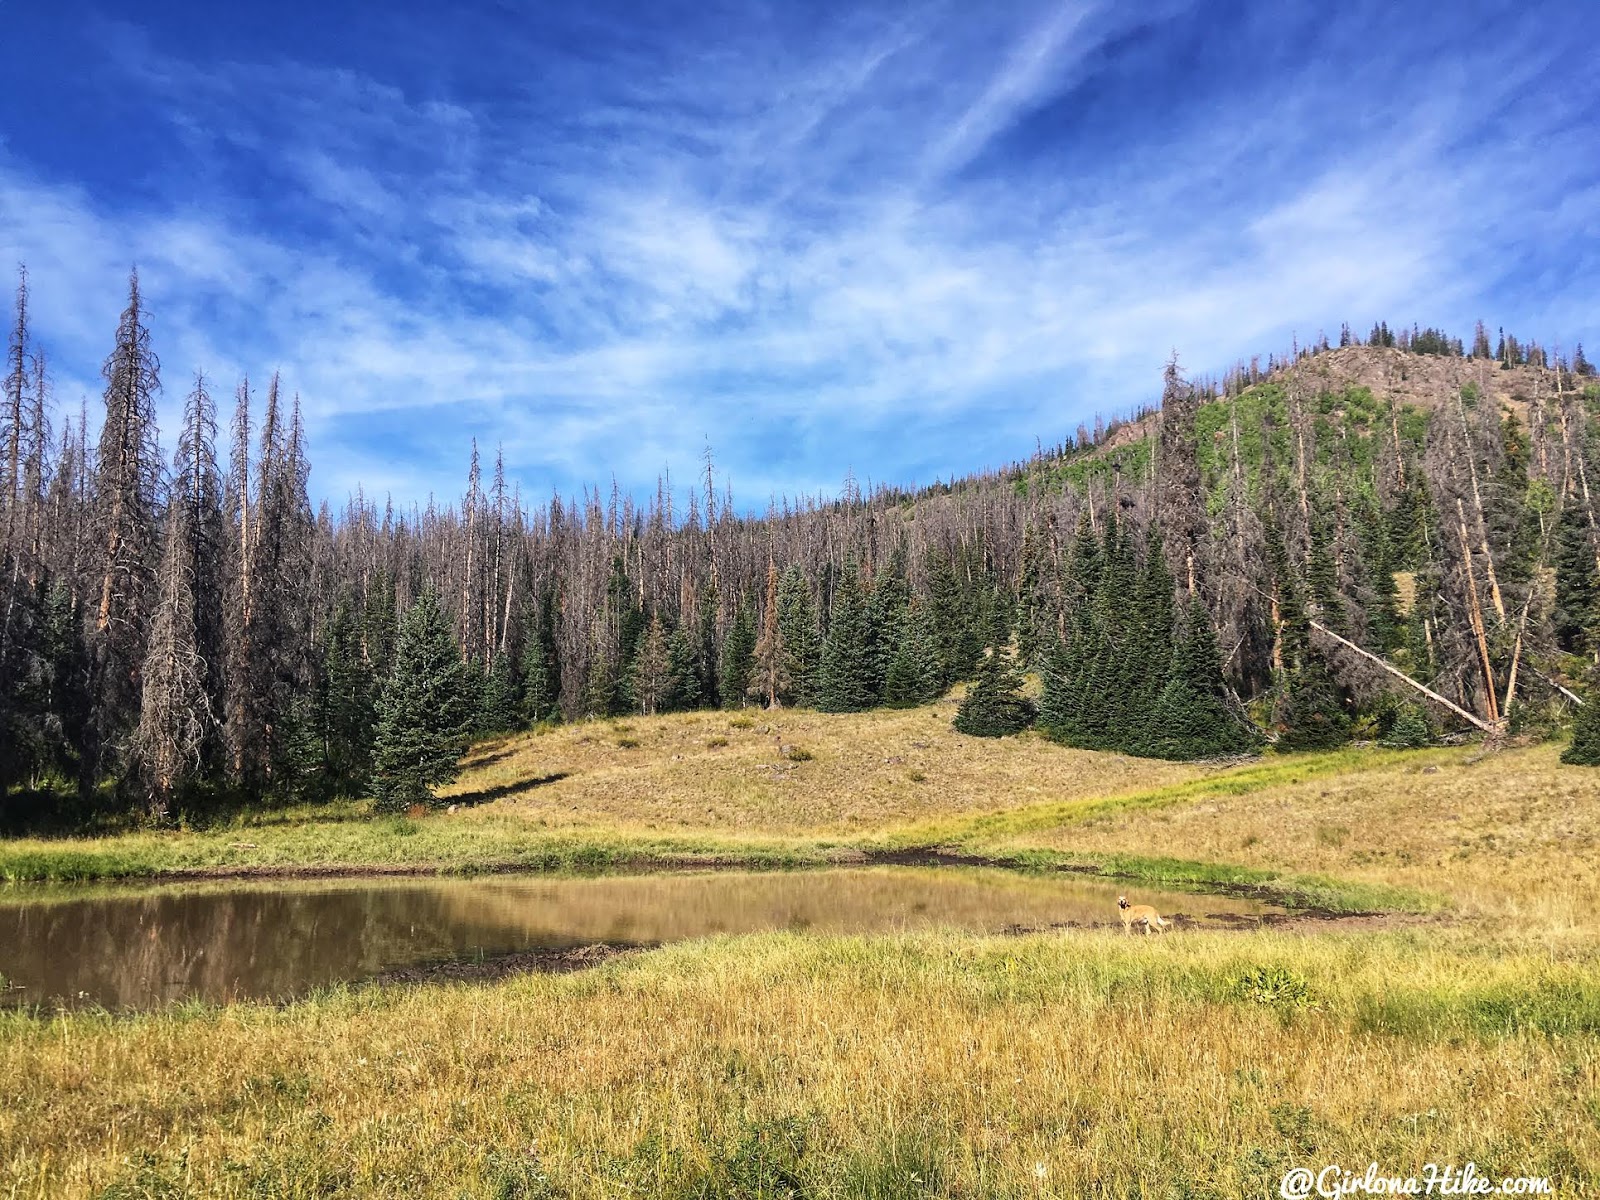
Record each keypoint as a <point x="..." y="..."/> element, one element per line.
<point x="487" y="759"/>
<point x="485" y="795"/>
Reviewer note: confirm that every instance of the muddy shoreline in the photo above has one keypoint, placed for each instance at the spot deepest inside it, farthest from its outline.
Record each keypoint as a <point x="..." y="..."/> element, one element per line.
<point x="916" y="856"/>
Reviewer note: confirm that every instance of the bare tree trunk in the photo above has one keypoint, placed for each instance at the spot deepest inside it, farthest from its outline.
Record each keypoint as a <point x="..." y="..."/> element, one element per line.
<point x="1404" y="678"/>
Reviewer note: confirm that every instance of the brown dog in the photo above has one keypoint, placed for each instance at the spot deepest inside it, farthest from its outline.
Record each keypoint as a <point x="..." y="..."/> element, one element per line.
<point x="1140" y="914"/>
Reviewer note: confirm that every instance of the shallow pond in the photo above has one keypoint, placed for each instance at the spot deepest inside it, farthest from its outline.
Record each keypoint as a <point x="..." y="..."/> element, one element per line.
<point x="142" y="946"/>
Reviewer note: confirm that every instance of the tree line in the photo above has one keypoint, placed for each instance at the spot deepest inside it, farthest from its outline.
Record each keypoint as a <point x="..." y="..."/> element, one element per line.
<point x="1279" y="556"/>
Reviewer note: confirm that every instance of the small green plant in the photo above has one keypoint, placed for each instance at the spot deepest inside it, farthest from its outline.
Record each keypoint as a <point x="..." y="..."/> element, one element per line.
<point x="717" y="743"/>
<point x="1276" y="986"/>
<point x="1410" y="730"/>
<point x="741" y="723"/>
<point x="627" y="743"/>
<point x="916" y="776"/>
<point x="798" y="754"/>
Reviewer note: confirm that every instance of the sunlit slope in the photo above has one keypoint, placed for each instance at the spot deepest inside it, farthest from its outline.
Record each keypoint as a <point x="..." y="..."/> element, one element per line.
<point x="786" y="772"/>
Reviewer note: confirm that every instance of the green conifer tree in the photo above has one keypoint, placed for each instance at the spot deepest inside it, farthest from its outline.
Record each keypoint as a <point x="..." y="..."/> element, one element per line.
<point x="846" y="680"/>
<point x="540" y="689"/>
<point x="1067" y="667"/>
<point x="1577" y="612"/>
<point x="995" y="705"/>
<point x="886" y="605"/>
<point x="958" y="649"/>
<point x="738" y="652"/>
<point x="1314" y="716"/>
<point x="350" y="704"/>
<point x="498" y="707"/>
<point x="424" y="712"/>
<point x="913" y="676"/>
<point x="1584" y="750"/>
<point x="652" y="667"/>
<point x="1191" y="718"/>
<point x="710" y="666"/>
<point x="1149" y="635"/>
<point x="685" y="671"/>
<point x="1410" y="730"/>
<point x="802" y="647"/>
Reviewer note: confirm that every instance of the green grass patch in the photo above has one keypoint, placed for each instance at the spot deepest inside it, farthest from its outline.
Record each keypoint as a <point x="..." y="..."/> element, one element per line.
<point x="1256" y="776"/>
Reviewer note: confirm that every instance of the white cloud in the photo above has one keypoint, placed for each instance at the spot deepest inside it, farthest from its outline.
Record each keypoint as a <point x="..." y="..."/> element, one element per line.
<point x="785" y="249"/>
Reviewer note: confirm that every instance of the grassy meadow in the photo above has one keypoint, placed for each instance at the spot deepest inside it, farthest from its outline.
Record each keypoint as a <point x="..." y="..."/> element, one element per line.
<point x="1460" y="1023"/>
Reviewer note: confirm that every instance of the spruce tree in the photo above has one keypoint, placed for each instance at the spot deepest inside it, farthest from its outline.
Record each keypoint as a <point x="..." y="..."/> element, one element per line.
<point x="1577" y="612"/>
<point x="802" y="647"/>
<point x="1191" y="718"/>
<point x="539" y="687"/>
<point x="709" y="649"/>
<point x="886" y="602"/>
<point x="845" y="683"/>
<point x="350" y="702"/>
<point x="1314" y="715"/>
<point x="1149" y="634"/>
<point x="738" y="648"/>
<point x="176" y="714"/>
<point x="1410" y="730"/>
<point x="498" y="709"/>
<point x="423" y="716"/>
<point x="995" y="706"/>
<point x="958" y="649"/>
<point x="652" y="668"/>
<point x="127" y="484"/>
<point x="685" y="669"/>
<point x="913" y="676"/>
<point x="1584" y="750"/>
<point x="179" y="738"/>
<point x="1067" y="667"/>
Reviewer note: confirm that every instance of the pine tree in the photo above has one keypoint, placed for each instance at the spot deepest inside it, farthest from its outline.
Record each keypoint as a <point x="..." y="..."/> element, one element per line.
<point x="497" y="699"/>
<point x="995" y="706"/>
<point x="1577" y="611"/>
<point x="1067" y="667"/>
<point x="1150" y="630"/>
<point x="802" y="647"/>
<point x="380" y="625"/>
<point x="845" y="683"/>
<point x="738" y="650"/>
<point x="1584" y="750"/>
<point x="178" y="742"/>
<point x="886" y="603"/>
<point x="652" y="668"/>
<point x="423" y="716"/>
<point x="126" y="490"/>
<point x="958" y="648"/>
<point x="685" y="669"/>
<point x="541" y="687"/>
<point x="708" y="647"/>
<point x="1410" y="730"/>
<point x="1314" y="715"/>
<point x="350" y="703"/>
<point x="1191" y="719"/>
<point x="913" y="676"/>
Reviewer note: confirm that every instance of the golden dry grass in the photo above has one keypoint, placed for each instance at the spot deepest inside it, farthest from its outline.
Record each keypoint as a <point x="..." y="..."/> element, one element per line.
<point x="935" y="1064"/>
<point x="1513" y="836"/>
<point x="723" y="771"/>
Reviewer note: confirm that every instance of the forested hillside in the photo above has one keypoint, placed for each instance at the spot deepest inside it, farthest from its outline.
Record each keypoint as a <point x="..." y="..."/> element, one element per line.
<point x="1196" y="580"/>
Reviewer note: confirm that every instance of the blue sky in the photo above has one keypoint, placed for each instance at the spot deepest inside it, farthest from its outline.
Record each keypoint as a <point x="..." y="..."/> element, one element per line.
<point x="903" y="240"/>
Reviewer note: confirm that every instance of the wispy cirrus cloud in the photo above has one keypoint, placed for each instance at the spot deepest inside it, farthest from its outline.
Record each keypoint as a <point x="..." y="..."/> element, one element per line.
<point x="905" y="240"/>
